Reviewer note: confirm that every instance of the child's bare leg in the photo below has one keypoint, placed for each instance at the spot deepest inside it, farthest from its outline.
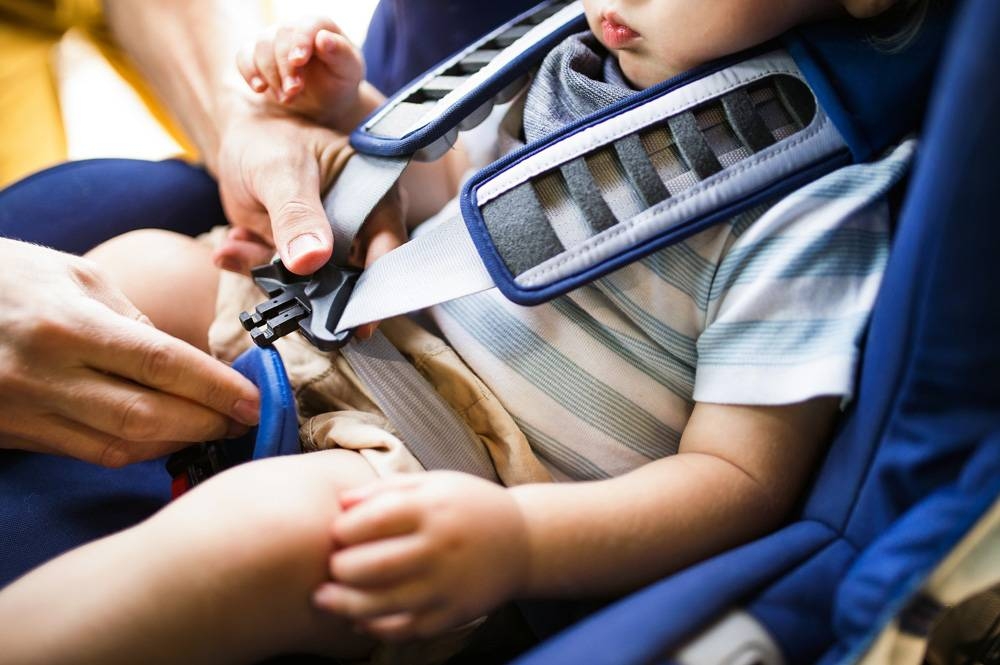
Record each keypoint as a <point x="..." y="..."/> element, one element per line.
<point x="225" y="574"/>
<point x="168" y="276"/>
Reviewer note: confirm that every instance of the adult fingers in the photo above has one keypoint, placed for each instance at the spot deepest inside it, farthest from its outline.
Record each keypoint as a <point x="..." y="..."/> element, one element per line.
<point x="385" y="228"/>
<point x="161" y="362"/>
<point x="130" y="412"/>
<point x="383" y="516"/>
<point x="56" y="435"/>
<point x="367" y="604"/>
<point x="380" y="564"/>
<point x="240" y="256"/>
<point x="248" y="70"/>
<point x="94" y="284"/>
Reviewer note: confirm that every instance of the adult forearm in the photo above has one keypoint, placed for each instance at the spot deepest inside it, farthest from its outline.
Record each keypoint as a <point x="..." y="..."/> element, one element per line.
<point x="186" y="50"/>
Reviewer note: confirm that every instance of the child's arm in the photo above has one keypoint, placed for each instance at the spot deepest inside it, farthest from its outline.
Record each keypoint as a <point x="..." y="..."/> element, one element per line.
<point x="423" y="553"/>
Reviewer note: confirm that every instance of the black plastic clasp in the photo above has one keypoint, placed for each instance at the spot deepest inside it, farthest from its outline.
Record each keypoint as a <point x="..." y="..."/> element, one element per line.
<point x="310" y="304"/>
<point x="196" y="464"/>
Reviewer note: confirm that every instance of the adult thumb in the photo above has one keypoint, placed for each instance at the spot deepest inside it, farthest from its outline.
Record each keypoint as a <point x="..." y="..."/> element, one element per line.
<point x="298" y="223"/>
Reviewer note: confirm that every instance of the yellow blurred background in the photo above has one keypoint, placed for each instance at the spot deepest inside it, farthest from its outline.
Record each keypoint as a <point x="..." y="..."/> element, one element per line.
<point x="65" y="93"/>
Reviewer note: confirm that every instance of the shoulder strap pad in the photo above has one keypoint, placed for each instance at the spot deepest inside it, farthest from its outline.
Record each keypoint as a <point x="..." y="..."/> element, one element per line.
<point x="423" y="120"/>
<point x="649" y="171"/>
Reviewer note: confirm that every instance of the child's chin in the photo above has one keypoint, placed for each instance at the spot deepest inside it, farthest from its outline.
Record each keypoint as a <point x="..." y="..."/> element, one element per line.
<point x="641" y="73"/>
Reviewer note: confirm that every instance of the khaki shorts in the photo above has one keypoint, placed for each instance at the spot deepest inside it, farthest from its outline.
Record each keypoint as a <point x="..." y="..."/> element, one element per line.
<point x="337" y="411"/>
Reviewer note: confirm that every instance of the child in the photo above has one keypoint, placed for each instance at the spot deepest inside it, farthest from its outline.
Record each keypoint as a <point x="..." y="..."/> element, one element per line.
<point x="693" y="399"/>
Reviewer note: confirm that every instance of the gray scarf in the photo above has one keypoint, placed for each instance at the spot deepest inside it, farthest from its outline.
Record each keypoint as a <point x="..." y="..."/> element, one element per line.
<point x="576" y="79"/>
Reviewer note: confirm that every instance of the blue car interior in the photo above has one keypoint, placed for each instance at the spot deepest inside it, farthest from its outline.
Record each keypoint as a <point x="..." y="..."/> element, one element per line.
<point x="915" y="463"/>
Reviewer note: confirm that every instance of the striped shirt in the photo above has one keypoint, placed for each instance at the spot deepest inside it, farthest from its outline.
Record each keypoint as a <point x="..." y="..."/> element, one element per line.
<point x="767" y="308"/>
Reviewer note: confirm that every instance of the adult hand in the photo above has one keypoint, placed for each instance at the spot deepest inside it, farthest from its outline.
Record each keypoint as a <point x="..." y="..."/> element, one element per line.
<point x="272" y="167"/>
<point x="83" y="373"/>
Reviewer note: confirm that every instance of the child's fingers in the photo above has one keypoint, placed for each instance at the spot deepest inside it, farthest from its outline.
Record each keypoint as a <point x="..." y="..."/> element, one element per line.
<point x="355" y="495"/>
<point x="338" y="54"/>
<point x="248" y="70"/>
<point x="392" y="628"/>
<point x="288" y="43"/>
<point x="263" y="60"/>
<point x="384" y="516"/>
<point x="380" y="564"/>
<point x="408" y="625"/>
<point x="368" y="604"/>
<point x="293" y="47"/>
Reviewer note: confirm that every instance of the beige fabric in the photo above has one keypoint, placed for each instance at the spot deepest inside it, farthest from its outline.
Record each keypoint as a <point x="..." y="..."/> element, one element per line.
<point x="336" y="410"/>
<point x="967" y="585"/>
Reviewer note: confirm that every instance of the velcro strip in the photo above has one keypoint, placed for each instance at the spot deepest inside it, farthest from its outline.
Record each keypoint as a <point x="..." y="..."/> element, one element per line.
<point x="637" y="164"/>
<point x="693" y="146"/>
<point x="520" y="230"/>
<point x="748" y="125"/>
<point x="583" y="189"/>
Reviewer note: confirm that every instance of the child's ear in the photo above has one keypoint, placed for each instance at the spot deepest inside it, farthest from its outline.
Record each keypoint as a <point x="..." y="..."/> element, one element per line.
<point x="866" y="8"/>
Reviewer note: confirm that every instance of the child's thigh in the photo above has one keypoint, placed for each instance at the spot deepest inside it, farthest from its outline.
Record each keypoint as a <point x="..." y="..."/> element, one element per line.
<point x="170" y="277"/>
<point x="262" y="534"/>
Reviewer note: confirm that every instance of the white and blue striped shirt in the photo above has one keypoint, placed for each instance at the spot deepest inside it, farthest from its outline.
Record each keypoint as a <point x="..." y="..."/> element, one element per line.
<point x="765" y="309"/>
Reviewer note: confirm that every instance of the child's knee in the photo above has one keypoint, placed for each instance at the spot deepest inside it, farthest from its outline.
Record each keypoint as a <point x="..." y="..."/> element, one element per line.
<point x="168" y="276"/>
<point x="276" y="512"/>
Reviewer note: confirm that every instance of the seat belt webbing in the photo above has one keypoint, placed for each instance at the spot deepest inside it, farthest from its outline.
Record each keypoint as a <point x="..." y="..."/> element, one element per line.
<point x="431" y="429"/>
<point x="433" y="432"/>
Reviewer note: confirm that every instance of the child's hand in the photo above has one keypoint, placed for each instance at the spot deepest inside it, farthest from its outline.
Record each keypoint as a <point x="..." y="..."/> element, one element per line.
<point x="309" y="68"/>
<point x="418" y="554"/>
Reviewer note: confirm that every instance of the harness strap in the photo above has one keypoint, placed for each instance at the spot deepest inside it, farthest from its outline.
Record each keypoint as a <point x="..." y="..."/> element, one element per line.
<point x="433" y="432"/>
<point x="364" y="181"/>
<point x="549" y="214"/>
<point x="559" y="214"/>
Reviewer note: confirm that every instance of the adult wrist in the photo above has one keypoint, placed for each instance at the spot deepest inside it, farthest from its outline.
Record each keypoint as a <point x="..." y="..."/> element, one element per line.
<point x="232" y="107"/>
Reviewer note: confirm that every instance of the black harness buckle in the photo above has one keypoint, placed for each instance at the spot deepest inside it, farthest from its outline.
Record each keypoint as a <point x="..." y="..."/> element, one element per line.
<point x="311" y="304"/>
<point x="196" y="464"/>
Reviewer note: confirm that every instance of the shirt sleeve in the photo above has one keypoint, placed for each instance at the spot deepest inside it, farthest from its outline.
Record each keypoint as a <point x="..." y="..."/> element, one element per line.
<point x="792" y="295"/>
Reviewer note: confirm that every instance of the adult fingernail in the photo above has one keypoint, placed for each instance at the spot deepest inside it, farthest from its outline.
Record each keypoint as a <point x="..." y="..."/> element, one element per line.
<point x="236" y="430"/>
<point x="246" y="412"/>
<point x="304" y="244"/>
<point x="257" y="83"/>
<point x="290" y="82"/>
<point x="297" y="53"/>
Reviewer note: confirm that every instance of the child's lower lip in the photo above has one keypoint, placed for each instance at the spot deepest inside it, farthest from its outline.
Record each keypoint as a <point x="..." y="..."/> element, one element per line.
<point x="617" y="35"/>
